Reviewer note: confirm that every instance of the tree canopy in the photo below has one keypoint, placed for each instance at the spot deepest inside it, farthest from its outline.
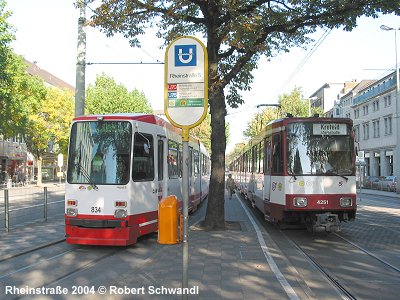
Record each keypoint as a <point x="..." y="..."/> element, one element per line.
<point x="106" y="96"/>
<point x="237" y="34"/>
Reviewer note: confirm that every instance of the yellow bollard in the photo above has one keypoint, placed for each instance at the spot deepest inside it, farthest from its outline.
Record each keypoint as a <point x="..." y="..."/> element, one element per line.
<point x="168" y="220"/>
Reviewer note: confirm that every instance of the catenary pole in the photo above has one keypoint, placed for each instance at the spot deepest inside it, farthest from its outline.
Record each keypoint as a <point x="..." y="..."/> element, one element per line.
<point x="396" y="152"/>
<point x="80" y="62"/>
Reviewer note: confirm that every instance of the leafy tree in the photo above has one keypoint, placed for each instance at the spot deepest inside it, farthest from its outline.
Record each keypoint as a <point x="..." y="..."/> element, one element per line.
<point x="106" y="96"/>
<point x="48" y="124"/>
<point x="203" y="132"/>
<point x="8" y="107"/>
<point x="293" y="103"/>
<point x="259" y="120"/>
<point x="237" y="33"/>
<point x="237" y="150"/>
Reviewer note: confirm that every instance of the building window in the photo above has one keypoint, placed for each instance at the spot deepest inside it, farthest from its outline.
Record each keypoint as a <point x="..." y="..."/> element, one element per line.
<point x="388" y="100"/>
<point x="375" y="105"/>
<point x="365" y="110"/>
<point x="388" y="125"/>
<point x="366" y="131"/>
<point x="375" y="125"/>
<point x="357" y="133"/>
<point x="356" y="113"/>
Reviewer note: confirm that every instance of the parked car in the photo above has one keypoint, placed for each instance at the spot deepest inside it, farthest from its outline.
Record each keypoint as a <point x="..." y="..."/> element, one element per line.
<point x="389" y="183"/>
<point x="371" y="181"/>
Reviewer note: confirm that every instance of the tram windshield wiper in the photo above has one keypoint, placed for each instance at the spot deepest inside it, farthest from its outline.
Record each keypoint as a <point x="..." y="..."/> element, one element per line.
<point x="87" y="176"/>
<point x="330" y="172"/>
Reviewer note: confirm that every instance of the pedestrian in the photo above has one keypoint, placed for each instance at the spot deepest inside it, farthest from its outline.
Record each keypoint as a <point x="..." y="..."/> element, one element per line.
<point x="230" y="185"/>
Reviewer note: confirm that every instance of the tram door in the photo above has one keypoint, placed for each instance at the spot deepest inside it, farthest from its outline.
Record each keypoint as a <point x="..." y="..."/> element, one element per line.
<point x="162" y="167"/>
<point x="144" y="170"/>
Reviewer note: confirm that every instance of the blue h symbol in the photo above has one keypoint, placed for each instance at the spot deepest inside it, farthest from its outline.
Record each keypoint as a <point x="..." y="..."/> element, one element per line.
<point x="185" y="55"/>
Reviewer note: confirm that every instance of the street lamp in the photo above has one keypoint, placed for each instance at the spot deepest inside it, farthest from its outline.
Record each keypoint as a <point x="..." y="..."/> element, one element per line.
<point x="396" y="166"/>
<point x="309" y="104"/>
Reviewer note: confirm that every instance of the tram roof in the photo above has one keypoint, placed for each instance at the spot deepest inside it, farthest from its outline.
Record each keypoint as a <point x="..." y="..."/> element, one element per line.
<point x="147" y="118"/>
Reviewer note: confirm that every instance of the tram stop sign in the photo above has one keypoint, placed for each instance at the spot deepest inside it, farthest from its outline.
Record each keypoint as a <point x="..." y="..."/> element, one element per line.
<point x="186" y="82"/>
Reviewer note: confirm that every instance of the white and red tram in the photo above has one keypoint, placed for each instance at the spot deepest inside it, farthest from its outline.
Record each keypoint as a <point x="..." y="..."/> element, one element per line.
<point x="301" y="170"/>
<point x="119" y="167"/>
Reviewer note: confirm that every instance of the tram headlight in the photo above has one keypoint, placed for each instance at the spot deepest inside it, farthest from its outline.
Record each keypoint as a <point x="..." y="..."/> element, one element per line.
<point x="300" y="202"/>
<point x="72" y="212"/>
<point x="346" y="202"/>
<point x="120" y="213"/>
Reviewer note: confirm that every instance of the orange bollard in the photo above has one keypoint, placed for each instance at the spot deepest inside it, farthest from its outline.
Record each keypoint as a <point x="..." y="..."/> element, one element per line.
<point x="168" y="220"/>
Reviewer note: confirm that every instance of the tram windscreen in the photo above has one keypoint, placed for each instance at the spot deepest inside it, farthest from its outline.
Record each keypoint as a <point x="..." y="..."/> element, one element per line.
<point x="322" y="149"/>
<point x="99" y="152"/>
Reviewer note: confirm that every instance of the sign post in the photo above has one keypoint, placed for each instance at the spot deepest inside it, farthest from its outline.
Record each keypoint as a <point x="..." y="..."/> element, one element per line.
<point x="185" y="105"/>
<point x="60" y="163"/>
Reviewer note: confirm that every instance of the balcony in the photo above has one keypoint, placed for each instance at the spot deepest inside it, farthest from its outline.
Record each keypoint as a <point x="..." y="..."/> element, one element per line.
<point x="375" y="90"/>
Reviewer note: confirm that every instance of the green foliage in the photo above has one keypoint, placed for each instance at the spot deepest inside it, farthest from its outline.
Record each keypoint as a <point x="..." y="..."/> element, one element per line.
<point x="50" y="122"/>
<point x="106" y="96"/>
<point x="293" y="104"/>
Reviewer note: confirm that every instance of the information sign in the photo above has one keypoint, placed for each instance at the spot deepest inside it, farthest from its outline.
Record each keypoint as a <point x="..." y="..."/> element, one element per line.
<point x="186" y="79"/>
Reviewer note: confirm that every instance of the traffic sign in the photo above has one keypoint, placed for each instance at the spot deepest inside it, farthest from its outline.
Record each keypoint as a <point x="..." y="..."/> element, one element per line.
<point x="186" y="82"/>
<point x="60" y="160"/>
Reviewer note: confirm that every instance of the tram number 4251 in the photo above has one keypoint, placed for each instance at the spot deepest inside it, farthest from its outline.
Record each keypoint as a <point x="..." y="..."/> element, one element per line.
<point x="322" y="202"/>
<point x="95" y="209"/>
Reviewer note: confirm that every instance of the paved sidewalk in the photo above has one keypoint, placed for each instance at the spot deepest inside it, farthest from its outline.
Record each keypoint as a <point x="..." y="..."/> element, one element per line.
<point x="31" y="235"/>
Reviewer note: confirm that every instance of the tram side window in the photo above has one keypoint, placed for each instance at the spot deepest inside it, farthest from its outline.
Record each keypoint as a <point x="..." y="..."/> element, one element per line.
<point x="260" y="162"/>
<point x="143" y="158"/>
<point x="277" y="155"/>
<point x="267" y="157"/>
<point x="196" y="162"/>
<point x="254" y="159"/>
<point x="160" y="160"/>
<point x="173" y="171"/>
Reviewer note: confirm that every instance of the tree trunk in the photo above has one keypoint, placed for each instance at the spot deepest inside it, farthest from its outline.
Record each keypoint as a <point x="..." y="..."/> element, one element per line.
<point x="215" y="215"/>
<point x="39" y="175"/>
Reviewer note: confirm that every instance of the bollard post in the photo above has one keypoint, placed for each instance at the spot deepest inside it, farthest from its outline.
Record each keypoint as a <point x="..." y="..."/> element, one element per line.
<point x="6" y="211"/>
<point x="45" y="203"/>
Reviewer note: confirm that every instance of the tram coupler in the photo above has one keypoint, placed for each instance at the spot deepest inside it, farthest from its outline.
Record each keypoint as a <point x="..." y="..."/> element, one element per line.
<point x="326" y="222"/>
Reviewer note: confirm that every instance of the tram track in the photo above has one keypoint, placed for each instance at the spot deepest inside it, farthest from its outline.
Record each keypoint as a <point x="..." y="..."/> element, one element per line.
<point x="32" y="249"/>
<point x="396" y="269"/>
<point x="345" y="293"/>
<point x="355" y="272"/>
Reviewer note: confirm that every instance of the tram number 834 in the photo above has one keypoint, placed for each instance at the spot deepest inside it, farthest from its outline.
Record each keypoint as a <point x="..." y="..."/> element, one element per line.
<point x="95" y="209"/>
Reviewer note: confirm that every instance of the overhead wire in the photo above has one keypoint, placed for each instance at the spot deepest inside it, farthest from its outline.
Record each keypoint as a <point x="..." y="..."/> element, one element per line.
<point x="156" y="61"/>
<point x="306" y="58"/>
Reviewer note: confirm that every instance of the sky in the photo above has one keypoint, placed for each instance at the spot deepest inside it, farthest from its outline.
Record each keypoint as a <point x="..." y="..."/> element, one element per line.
<point x="46" y="33"/>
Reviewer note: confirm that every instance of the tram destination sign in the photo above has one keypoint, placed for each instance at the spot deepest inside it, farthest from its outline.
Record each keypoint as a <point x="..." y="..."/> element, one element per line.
<point x="186" y="78"/>
<point x="329" y="129"/>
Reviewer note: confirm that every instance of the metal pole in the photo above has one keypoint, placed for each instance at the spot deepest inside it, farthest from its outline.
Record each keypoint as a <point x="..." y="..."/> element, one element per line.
<point x="185" y="198"/>
<point x="6" y="210"/>
<point x="80" y="62"/>
<point x="397" y="152"/>
<point x="45" y="203"/>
